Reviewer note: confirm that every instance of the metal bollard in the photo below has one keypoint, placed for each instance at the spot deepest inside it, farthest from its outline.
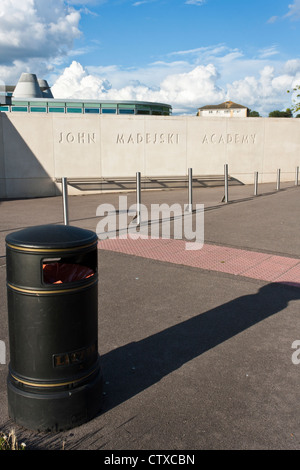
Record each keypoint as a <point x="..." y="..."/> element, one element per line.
<point x="190" y="204"/>
<point x="226" y="182"/>
<point x="138" y="197"/>
<point x="64" y="183"/>
<point x="255" y="182"/>
<point x="297" y="176"/>
<point x="278" y="179"/>
<point x="2" y="353"/>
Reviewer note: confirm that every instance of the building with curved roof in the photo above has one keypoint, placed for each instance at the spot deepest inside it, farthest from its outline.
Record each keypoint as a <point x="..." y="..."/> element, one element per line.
<point x="34" y="95"/>
<point x="43" y="105"/>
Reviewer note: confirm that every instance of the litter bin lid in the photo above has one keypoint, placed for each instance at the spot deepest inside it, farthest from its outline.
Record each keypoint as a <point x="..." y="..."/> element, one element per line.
<point x="52" y="236"/>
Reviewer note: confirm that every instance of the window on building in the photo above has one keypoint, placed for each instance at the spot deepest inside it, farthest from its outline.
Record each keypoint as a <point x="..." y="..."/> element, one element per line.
<point x="126" y="111"/>
<point x="92" y="110"/>
<point x="38" y="109"/>
<point x="74" y="110"/>
<point x="23" y="109"/>
<point x="108" y="110"/>
<point x="56" y="109"/>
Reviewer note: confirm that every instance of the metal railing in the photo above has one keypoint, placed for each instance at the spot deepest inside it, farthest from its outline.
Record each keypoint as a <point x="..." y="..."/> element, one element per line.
<point x="138" y="188"/>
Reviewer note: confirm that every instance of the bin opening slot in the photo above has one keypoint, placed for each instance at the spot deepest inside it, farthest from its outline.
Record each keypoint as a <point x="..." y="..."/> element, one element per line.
<point x="59" y="271"/>
<point x="75" y="357"/>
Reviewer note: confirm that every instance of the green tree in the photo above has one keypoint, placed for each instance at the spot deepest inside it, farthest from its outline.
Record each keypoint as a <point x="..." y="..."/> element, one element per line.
<point x="253" y="113"/>
<point x="287" y="113"/>
<point x="296" y="101"/>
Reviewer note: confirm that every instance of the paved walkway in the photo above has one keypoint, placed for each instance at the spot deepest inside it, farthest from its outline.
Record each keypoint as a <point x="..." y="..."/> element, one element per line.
<point x="256" y="265"/>
<point x="196" y="345"/>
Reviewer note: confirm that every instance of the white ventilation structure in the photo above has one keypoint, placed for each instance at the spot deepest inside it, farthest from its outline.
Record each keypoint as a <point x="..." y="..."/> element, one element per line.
<point x="29" y="86"/>
<point x="45" y="89"/>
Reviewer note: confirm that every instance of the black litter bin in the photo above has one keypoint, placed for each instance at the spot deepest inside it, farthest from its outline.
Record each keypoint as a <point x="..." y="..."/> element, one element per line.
<point x="54" y="381"/>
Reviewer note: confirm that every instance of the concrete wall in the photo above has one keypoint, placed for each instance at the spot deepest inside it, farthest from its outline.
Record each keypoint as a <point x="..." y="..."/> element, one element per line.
<point x="37" y="148"/>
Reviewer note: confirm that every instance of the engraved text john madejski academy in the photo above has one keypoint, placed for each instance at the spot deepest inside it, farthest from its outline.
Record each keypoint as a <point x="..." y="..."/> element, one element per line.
<point x="77" y="138"/>
<point x="175" y="138"/>
<point x="148" y="138"/>
<point x="233" y="138"/>
<point x="159" y="138"/>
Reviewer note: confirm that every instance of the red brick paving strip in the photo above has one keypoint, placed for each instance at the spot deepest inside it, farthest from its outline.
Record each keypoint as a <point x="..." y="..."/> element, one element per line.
<point x="256" y="265"/>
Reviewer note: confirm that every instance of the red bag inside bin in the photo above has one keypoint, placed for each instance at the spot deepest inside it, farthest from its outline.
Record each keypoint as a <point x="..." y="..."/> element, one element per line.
<point x="58" y="273"/>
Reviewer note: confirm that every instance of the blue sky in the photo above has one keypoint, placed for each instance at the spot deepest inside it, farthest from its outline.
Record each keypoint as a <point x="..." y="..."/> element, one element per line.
<point x="132" y="33"/>
<point x="186" y="53"/>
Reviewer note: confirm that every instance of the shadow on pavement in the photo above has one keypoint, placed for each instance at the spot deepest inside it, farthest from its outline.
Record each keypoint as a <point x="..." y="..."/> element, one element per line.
<point x="136" y="366"/>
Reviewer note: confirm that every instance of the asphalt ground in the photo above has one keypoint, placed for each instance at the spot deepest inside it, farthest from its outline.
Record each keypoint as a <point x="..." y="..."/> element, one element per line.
<point x="193" y="359"/>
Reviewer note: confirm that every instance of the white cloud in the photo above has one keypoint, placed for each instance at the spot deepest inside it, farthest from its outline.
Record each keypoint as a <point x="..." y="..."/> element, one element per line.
<point x="292" y="66"/>
<point x="87" y="2"/>
<point x="36" y="28"/>
<point x="294" y="10"/>
<point x="150" y="75"/>
<point x="264" y="90"/>
<point x="185" y="91"/>
<point x="268" y="52"/>
<point x="195" y="2"/>
<point x="32" y="31"/>
<point x="189" y="89"/>
<point x="293" y="13"/>
<point x="142" y="2"/>
<point x="264" y="93"/>
<point x="75" y="83"/>
<point x="273" y="19"/>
